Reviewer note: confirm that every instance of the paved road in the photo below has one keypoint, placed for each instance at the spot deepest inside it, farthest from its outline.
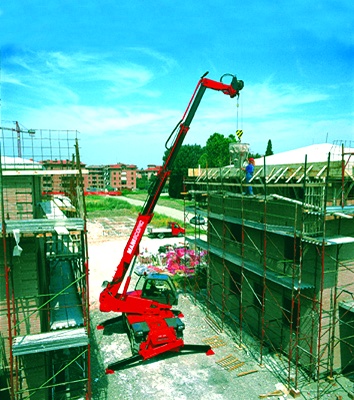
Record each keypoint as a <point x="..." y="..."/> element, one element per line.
<point x="170" y="212"/>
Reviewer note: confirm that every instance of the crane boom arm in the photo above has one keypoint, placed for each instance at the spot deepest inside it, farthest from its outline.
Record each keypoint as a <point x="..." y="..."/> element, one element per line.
<point x="145" y="216"/>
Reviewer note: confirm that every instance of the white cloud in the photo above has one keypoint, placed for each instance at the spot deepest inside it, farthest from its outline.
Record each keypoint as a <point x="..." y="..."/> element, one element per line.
<point x="11" y="79"/>
<point x="114" y="101"/>
<point x="81" y="78"/>
<point x="94" y="120"/>
<point x="270" y="99"/>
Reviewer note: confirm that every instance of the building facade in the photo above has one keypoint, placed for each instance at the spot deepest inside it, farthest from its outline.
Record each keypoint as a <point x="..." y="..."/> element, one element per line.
<point x="94" y="179"/>
<point x="282" y="261"/>
<point x="56" y="181"/>
<point x="120" y="176"/>
<point x="114" y="177"/>
<point x="44" y="305"/>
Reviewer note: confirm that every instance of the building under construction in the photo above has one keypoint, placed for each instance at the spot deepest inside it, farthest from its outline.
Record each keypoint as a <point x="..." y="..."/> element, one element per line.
<point x="44" y="318"/>
<point x="281" y="261"/>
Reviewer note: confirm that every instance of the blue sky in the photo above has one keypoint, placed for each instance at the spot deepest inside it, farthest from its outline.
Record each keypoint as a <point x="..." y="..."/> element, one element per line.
<point x="122" y="72"/>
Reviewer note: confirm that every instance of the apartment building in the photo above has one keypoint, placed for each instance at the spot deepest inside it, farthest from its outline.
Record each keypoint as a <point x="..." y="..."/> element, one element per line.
<point x="94" y="179"/>
<point x="120" y="176"/>
<point x="115" y="177"/>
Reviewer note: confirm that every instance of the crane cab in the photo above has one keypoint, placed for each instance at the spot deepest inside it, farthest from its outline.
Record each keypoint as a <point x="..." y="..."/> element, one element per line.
<point x="158" y="287"/>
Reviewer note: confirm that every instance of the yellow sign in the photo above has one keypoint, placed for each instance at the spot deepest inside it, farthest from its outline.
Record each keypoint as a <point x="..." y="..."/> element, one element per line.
<point x="239" y="133"/>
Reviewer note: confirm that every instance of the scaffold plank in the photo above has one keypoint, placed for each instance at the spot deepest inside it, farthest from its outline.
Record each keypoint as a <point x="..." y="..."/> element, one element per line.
<point x="49" y="341"/>
<point x="43" y="225"/>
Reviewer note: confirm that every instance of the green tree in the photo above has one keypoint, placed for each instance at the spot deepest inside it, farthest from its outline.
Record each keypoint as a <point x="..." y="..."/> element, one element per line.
<point x="217" y="152"/>
<point x="188" y="157"/>
<point x="203" y="160"/>
<point x="254" y="155"/>
<point x="269" y="150"/>
<point x="142" y="183"/>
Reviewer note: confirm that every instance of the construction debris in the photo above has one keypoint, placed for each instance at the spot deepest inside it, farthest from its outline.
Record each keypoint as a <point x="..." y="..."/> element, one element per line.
<point x="230" y="363"/>
<point x="252" y="371"/>
<point x="214" y="342"/>
<point x="271" y="394"/>
<point x="281" y="390"/>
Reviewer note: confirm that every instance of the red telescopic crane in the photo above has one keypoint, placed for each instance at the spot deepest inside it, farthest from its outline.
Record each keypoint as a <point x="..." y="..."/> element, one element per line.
<point x="152" y="325"/>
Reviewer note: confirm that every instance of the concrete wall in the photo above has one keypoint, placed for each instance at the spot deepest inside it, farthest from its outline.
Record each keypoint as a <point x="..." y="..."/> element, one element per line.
<point x="320" y="269"/>
<point x="25" y="281"/>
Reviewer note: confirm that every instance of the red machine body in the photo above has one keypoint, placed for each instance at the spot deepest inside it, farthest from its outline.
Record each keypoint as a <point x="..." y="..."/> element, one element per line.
<point x="153" y="326"/>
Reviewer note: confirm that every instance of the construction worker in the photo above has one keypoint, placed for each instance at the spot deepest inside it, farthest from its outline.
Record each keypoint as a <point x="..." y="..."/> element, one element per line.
<point x="249" y="173"/>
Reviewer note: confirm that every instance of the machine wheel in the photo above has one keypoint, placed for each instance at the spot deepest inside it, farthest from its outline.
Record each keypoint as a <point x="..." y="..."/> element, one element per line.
<point x="125" y="323"/>
<point x="179" y="335"/>
<point x="161" y="235"/>
<point x="180" y="234"/>
<point x="134" y="345"/>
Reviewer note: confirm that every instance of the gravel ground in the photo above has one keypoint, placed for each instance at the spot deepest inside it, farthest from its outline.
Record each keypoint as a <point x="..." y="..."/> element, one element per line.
<point x="181" y="377"/>
<point x="189" y="376"/>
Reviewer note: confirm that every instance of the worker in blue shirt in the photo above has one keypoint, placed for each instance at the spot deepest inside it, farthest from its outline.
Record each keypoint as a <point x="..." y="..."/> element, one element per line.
<point x="249" y="173"/>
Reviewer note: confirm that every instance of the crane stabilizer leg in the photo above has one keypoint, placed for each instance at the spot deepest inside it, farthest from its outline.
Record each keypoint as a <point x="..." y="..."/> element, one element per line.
<point x="123" y="363"/>
<point x="198" y="348"/>
<point x="138" y="359"/>
<point x="108" y="322"/>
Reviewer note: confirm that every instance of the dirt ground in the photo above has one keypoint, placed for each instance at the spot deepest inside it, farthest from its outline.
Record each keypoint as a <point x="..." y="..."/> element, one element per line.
<point x="181" y="377"/>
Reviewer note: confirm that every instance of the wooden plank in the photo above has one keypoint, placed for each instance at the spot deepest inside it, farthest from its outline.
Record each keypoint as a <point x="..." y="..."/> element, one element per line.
<point x="236" y="366"/>
<point x="214" y="341"/>
<point x="252" y="371"/>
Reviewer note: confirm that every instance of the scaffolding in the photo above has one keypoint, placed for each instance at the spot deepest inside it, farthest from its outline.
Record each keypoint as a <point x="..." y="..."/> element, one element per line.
<point x="44" y="303"/>
<point x="281" y="264"/>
